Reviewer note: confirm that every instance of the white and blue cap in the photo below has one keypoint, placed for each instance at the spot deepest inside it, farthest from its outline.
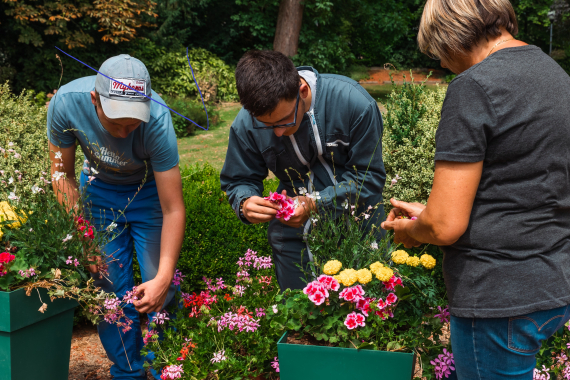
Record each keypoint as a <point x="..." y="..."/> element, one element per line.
<point x="118" y="100"/>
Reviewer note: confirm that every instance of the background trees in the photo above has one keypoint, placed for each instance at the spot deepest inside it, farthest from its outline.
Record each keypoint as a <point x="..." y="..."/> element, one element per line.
<point x="332" y="34"/>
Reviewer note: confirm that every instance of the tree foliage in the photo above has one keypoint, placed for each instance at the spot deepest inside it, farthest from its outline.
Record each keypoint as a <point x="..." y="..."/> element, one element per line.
<point x="118" y="20"/>
<point x="334" y="34"/>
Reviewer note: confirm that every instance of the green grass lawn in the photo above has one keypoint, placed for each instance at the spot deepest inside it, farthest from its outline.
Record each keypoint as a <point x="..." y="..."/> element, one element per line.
<point x="209" y="146"/>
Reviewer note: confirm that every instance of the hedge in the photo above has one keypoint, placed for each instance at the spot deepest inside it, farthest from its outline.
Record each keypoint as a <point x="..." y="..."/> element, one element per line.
<point x="214" y="236"/>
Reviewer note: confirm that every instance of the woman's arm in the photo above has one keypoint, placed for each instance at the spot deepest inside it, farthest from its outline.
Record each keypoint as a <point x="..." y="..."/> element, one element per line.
<point x="446" y="216"/>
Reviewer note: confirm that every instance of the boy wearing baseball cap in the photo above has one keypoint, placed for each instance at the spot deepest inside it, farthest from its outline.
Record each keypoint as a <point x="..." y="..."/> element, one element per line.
<point x="128" y="141"/>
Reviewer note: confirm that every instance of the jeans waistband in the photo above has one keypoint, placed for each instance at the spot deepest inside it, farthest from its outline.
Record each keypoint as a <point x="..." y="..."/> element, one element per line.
<point x="110" y="186"/>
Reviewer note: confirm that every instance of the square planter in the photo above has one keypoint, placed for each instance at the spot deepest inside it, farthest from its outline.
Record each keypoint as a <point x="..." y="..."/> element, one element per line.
<point x="300" y="362"/>
<point x="34" y="345"/>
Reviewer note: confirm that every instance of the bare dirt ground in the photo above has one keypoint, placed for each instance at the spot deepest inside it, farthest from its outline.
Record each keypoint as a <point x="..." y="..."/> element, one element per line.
<point x="88" y="360"/>
<point x="379" y="75"/>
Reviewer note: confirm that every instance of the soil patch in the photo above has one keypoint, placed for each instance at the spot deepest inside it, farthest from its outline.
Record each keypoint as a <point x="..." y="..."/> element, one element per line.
<point x="379" y="75"/>
<point x="88" y="359"/>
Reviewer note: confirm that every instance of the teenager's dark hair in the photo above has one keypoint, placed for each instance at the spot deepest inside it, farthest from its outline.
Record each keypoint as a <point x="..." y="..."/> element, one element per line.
<point x="263" y="78"/>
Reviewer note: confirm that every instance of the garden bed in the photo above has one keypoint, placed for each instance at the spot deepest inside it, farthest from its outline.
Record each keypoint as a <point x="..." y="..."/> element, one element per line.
<point x="88" y="360"/>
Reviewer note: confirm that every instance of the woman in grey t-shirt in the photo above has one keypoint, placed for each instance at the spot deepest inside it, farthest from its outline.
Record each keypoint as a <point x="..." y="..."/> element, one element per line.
<point x="500" y="202"/>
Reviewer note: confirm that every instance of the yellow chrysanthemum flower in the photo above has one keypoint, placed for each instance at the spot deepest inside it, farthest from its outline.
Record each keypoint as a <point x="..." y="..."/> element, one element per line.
<point x="384" y="274"/>
<point x="399" y="257"/>
<point x="427" y="261"/>
<point x="364" y="276"/>
<point x="348" y="277"/>
<point x="413" y="261"/>
<point x="8" y="214"/>
<point x="332" y="267"/>
<point x="375" y="266"/>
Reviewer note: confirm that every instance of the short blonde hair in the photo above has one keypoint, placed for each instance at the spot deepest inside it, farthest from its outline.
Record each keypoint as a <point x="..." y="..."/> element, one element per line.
<point x="454" y="27"/>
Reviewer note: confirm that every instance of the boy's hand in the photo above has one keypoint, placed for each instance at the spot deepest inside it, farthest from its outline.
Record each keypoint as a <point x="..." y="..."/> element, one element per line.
<point x="258" y="210"/>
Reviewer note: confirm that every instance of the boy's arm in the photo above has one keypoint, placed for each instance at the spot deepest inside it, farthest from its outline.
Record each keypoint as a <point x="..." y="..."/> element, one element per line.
<point x="63" y="175"/>
<point x="169" y="186"/>
<point x="243" y="173"/>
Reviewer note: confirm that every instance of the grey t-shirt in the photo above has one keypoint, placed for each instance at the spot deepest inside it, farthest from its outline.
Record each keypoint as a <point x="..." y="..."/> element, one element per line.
<point x="511" y="111"/>
<point x="125" y="161"/>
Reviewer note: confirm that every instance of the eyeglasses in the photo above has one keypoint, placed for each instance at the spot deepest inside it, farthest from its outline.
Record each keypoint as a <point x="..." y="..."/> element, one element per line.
<point x="288" y="125"/>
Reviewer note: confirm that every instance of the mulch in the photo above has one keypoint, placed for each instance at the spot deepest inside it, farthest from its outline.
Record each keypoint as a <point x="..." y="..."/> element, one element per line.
<point x="88" y="360"/>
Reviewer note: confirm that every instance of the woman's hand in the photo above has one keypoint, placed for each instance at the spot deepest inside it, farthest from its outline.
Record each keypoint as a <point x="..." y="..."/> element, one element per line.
<point x="400" y="228"/>
<point x="404" y="209"/>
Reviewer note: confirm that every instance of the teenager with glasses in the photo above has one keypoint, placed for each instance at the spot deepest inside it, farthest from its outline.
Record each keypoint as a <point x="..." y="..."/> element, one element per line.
<point x="321" y="132"/>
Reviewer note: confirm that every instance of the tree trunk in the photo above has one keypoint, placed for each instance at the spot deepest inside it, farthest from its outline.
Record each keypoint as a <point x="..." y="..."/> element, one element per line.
<point x="288" y="27"/>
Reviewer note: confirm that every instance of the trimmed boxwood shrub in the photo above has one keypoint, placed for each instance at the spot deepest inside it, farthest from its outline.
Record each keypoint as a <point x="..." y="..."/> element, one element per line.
<point x="215" y="237"/>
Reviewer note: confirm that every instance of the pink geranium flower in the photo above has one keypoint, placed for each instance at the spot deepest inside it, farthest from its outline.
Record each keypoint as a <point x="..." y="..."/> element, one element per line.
<point x="287" y="205"/>
<point x="329" y="282"/>
<point x="350" y="321"/>
<point x="391" y="299"/>
<point x="318" y="298"/>
<point x="392" y="283"/>
<point x="360" y="319"/>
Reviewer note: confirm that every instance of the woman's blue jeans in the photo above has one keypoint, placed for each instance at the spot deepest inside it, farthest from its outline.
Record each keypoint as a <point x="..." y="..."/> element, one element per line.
<point x="502" y="348"/>
<point x="139" y="228"/>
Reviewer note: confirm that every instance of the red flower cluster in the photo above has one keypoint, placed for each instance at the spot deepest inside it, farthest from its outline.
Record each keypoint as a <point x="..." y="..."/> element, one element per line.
<point x="287" y="205"/>
<point x="5" y="259"/>
<point x="186" y="347"/>
<point x="196" y="301"/>
<point x="84" y="227"/>
<point x="392" y="283"/>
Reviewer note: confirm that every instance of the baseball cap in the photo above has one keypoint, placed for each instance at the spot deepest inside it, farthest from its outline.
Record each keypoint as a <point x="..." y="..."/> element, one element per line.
<point x="117" y="100"/>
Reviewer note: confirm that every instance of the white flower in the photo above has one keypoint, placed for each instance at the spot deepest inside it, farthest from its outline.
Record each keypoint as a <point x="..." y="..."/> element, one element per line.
<point x="31" y="230"/>
<point x="93" y="171"/>
<point x="374" y="245"/>
<point x="58" y="155"/>
<point x="111" y="226"/>
<point x="58" y="175"/>
<point x="345" y="204"/>
<point x="314" y="195"/>
<point x="395" y="180"/>
<point x="10" y="143"/>
<point x="366" y="216"/>
<point x="302" y="191"/>
<point x="17" y="155"/>
<point x="10" y="180"/>
<point x="13" y="196"/>
<point x="275" y="310"/>
<point x="314" y="220"/>
<point x="219" y="356"/>
<point x="90" y="178"/>
<point x="36" y="189"/>
<point x="1" y="172"/>
<point x="67" y="238"/>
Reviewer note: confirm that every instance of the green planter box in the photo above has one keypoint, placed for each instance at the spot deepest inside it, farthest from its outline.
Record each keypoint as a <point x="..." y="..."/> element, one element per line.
<point x="34" y="345"/>
<point x="298" y="362"/>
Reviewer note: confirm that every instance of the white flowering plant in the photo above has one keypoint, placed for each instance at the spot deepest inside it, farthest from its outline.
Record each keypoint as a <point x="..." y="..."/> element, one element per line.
<point x="365" y="293"/>
<point x="221" y="331"/>
<point x="43" y="244"/>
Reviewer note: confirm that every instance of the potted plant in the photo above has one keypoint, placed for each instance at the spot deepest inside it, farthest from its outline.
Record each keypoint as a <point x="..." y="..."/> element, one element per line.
<point x="221" y="331"/>
<point x="45" y="250"/>
<point x="371" y="309"/>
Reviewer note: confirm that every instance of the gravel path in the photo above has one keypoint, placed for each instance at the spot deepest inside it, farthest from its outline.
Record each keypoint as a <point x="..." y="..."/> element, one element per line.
<point x="88" y="360"/>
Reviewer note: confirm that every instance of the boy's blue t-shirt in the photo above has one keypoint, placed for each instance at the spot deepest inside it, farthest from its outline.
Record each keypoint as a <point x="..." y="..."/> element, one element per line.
<point x="72" y="117"/>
